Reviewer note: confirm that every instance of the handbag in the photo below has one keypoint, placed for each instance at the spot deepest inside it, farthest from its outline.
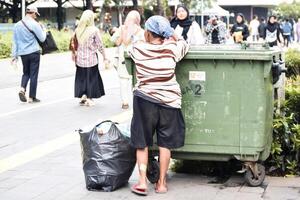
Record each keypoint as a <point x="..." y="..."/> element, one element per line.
<point x="73" y="46"/>
<point x="48" y="45"/>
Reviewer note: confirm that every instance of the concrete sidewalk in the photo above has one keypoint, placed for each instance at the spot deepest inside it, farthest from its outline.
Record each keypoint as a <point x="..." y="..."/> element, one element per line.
<point x="59" y="175"/>
<point x="40" y="153"/>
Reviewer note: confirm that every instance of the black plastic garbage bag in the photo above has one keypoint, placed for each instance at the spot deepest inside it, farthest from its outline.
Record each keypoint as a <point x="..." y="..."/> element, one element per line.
<point x="108" y="158"/>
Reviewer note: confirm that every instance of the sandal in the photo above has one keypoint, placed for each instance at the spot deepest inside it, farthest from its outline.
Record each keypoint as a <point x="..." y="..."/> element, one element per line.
<point x="22" y="96"/>
<point x="125" y="106"/>
<point x="82" y="102"/>
<point x="140" y="191"/>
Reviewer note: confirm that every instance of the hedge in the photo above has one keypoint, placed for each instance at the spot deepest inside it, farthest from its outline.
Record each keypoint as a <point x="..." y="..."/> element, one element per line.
<point x="62" y="39"/>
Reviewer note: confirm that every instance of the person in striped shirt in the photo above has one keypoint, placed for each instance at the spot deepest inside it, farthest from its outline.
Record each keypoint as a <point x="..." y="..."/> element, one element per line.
<point x="157" y="98"/>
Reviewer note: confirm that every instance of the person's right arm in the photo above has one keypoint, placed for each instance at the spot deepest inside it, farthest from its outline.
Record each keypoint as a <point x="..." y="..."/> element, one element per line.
<point x="14" y="46"/>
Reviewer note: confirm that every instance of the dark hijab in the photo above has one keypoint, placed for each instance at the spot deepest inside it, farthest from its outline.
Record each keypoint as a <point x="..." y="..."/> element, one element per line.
<point x="185" y="24"/>
<point x="272" y="26"/>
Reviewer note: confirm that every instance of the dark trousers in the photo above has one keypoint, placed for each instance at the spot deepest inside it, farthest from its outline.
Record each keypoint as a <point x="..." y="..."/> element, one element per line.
<point x="286" y="39"/>
<point x="31" y="65"/>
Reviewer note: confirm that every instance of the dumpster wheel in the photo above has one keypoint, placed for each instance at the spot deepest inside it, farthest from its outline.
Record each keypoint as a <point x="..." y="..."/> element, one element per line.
<point x="255" y="174"/>
<point x="153" y="170"/>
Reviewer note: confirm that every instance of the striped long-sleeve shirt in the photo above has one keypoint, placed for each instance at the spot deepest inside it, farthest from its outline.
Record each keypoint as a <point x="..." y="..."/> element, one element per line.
<point x="155" y="70"/>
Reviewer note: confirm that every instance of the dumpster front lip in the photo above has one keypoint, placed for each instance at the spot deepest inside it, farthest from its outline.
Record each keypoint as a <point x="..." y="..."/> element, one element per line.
<point x="231" y="55"/>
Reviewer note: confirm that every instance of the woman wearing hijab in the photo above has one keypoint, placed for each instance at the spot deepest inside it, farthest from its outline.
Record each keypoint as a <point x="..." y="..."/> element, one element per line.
<point x="185" y="27"/>
<point x="128" y="34"/>
<point x="156" y="99"/>
<point x="272" y="32"/>
<point x="88" y="82"/>
<point x="239" y="31"/>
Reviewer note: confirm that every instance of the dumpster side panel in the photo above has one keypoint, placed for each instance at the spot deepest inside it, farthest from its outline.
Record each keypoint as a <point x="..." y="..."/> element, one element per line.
<point x="253" y="108"/>
<point x="211" y="111"/>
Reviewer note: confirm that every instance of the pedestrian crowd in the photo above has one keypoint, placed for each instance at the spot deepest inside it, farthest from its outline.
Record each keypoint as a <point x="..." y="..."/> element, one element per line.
<point x="155" y="51"/>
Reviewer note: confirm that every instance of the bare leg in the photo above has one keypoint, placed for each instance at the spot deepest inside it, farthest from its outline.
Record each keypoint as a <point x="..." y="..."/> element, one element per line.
<point x="164" y="161"/>
<point x="142" y="161"/>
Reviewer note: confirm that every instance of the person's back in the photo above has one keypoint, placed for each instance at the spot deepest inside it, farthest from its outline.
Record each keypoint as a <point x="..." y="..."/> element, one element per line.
<point x="286" y="28"/>
<point x="253" y="26"/>
<point x="25" y="42"/>
<point x="26" y="46"/>
<point x="157" y="99"/>
<point x="262" y="28"/>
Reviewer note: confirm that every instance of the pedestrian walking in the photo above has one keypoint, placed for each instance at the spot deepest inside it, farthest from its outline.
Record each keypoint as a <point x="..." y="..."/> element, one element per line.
<point x="262" y="28"/>
<point x="216" y="31"/>
<point x="26" y="46"/>
<point x="88" y="81"/>
<point x="157" y="99"/>
<point x="298" y="30"/>
<point x="185" y="27"/>
<point x="239" y="30"/>
<point x="253" y="27"/>
<point x="286" y="32"/>
<point x="272" y="32"/>
<point x="126" y="35"/>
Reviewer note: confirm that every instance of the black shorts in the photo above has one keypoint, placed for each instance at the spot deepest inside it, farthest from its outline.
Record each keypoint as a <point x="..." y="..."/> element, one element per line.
<point x="149" y="118"/>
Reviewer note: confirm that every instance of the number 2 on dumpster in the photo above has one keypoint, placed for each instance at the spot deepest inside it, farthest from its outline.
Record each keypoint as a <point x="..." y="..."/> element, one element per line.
<point x="198" y="89"/>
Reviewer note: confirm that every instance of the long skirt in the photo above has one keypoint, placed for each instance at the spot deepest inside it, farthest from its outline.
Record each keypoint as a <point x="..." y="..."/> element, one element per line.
<point x="88" y="82"/>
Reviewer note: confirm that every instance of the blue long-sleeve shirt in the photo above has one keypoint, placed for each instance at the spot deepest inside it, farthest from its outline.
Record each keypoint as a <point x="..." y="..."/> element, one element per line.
<point x="24" y="42"/>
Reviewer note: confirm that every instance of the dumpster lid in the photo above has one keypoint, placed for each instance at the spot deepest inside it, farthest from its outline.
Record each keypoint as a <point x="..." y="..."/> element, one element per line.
<point x="245" y="51"/>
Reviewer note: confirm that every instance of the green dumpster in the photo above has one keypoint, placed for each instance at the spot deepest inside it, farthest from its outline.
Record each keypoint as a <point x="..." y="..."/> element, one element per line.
<point x="227" y="103"/>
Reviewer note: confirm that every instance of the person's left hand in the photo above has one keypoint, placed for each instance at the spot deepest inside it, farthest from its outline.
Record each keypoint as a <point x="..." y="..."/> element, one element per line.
<point x="106" y="63"/>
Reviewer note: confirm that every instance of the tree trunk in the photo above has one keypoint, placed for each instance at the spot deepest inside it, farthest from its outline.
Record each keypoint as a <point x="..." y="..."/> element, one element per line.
<point x="88" y="5"/>
<point x="160" y="9"/>
<point x="59" y="14"/>
<point x="14" y="11"/>
<point x="135" y="4"/>
<point x="120" y="15"/>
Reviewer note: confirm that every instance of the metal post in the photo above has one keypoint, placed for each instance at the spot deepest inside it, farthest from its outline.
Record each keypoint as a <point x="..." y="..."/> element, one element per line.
<point x="23" y="8"/>
<point x="202" y="16"/>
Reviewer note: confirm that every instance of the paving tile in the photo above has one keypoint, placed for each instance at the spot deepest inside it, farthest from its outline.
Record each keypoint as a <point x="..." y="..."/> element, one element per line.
<point x="8" y="174"/>
<point x="282" y="193"/>
<point x="248" y="196"/>
<point x="56" y="191"/>
<point x="248" y="189"/>
<point x="10" y="183"/>
<point x="283" y="182"/>
<point x="28" y="174"/>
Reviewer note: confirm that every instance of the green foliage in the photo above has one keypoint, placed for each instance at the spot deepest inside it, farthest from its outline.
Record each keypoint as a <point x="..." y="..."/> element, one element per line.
<point x="106" y="41"/>
<point x="292" y="62"/>
<point x="62" y="39"/>
<point x="288" y="10"/>
<point x="196" y="4"/>
<point x="5" y="44"/>
<point x="285" y="149"/>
